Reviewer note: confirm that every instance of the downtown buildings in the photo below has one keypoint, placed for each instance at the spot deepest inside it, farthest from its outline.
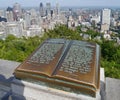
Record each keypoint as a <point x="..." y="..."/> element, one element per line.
<point x="36" y="21"/>
<point x="30" y="22"/>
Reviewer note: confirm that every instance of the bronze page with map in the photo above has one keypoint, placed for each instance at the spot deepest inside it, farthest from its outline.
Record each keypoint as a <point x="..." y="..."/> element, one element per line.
<point x="69" y="63"/>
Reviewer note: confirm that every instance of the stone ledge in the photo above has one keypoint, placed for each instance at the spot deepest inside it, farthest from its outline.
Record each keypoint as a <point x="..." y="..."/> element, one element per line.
<point x="112" y="89"/>
<point x="6" y="71"/>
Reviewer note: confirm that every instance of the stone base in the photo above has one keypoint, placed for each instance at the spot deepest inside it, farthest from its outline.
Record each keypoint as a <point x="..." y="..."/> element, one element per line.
<point x="31" y="91"/>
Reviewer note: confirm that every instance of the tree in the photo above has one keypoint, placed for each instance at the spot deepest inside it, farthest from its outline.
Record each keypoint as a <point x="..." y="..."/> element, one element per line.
<point x="18" y="49"/>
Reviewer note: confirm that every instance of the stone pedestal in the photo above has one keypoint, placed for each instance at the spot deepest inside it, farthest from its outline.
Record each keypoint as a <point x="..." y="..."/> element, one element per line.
<point x="31" y="91"/>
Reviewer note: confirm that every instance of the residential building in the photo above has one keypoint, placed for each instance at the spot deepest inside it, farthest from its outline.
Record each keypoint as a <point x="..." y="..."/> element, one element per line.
<point x="105" y="20"/>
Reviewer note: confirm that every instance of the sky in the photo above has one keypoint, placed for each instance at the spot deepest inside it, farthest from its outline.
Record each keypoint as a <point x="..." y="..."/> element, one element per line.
<point x="73" y="3"/>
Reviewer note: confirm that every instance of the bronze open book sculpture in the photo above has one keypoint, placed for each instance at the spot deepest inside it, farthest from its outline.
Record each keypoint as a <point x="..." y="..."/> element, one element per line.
<point x="69" y="63"/>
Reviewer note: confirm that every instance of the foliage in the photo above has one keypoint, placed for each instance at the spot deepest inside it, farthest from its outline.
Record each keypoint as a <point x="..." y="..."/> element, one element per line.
<point x="18" y="49"/>
<point x="92" y="33"/>
<point x="63" y="31"/>
<point x="112" y="69"/>
<point x="110" y="59"/>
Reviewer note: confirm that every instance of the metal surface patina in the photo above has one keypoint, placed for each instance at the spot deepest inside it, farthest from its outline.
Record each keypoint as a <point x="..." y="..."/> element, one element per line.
<point x="66" y="63"/>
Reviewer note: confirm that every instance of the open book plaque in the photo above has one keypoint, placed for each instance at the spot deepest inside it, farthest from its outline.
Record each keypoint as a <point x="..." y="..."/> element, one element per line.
<point x="69" y="63"/>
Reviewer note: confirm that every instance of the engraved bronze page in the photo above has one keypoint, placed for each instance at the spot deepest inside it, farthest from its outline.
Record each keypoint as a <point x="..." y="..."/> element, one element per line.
<point x="44" y="59"/>
<point x="79" y="63"/>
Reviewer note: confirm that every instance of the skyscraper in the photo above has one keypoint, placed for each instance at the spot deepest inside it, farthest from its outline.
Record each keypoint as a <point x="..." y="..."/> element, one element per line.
<point x="27" y="20"/>
<point x="105" y="19"/>
<point x="48" y="8"/>
<point x="9" y="14"/>
<point x="41" y="9"/>
<point x="17" y="11"/>
<point x="57" y="9"/>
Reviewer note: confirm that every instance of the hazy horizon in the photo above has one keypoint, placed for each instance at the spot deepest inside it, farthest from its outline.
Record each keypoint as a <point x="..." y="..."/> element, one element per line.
<point x="62" y="3"/>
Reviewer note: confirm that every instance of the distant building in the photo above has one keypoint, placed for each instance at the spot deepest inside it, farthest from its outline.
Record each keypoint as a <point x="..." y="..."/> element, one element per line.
<point x="3" y="19"/>
<point x="2" y="28"/>
<point x="27" y="20"/>
<point x="33" y="17"/>
<point x="105" y="19"/>
<point x="113" y="22"/>
<point x="51" y="13"/>
<point x="106" y="16"/>
<point x="80" y="18"/>
<point x="35" y="30"/>
<point x="118" y="23"/>
<point x="17" y="11"/>
<point x="2" y="13"/>
<point x="104" y="28"/>
<point x="87" y="24"/>
<point x="14" y="28"/>
<point x="95" y="18"/>
<point x="48" y="8"/>
<point x="33" y="13"/>
<point x="41" y="9"/>
<point x="116" y="15"/>
<point x="57" y="9"/>
<point x="9" y="14"/>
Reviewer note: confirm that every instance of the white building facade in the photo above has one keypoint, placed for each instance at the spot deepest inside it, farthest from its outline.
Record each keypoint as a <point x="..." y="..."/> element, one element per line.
<point x="105" y="20"/>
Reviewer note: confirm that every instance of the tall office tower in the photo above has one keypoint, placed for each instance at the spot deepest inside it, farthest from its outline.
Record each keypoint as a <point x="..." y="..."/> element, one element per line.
<point x="17" y="11"/>
<point x="9" y="14"/>
<point x="41" y="10"/>
<point x="105" y="19"/>
<point x="70" y="11"/>
<point x="57" y="9"/>
<point x="51" y="13"/>
<point x="48" y="8"/>
<point x="27" y="20"/>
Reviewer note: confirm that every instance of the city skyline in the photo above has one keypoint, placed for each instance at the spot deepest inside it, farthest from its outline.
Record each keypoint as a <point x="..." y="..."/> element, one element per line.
<point x="76" y="3"/>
